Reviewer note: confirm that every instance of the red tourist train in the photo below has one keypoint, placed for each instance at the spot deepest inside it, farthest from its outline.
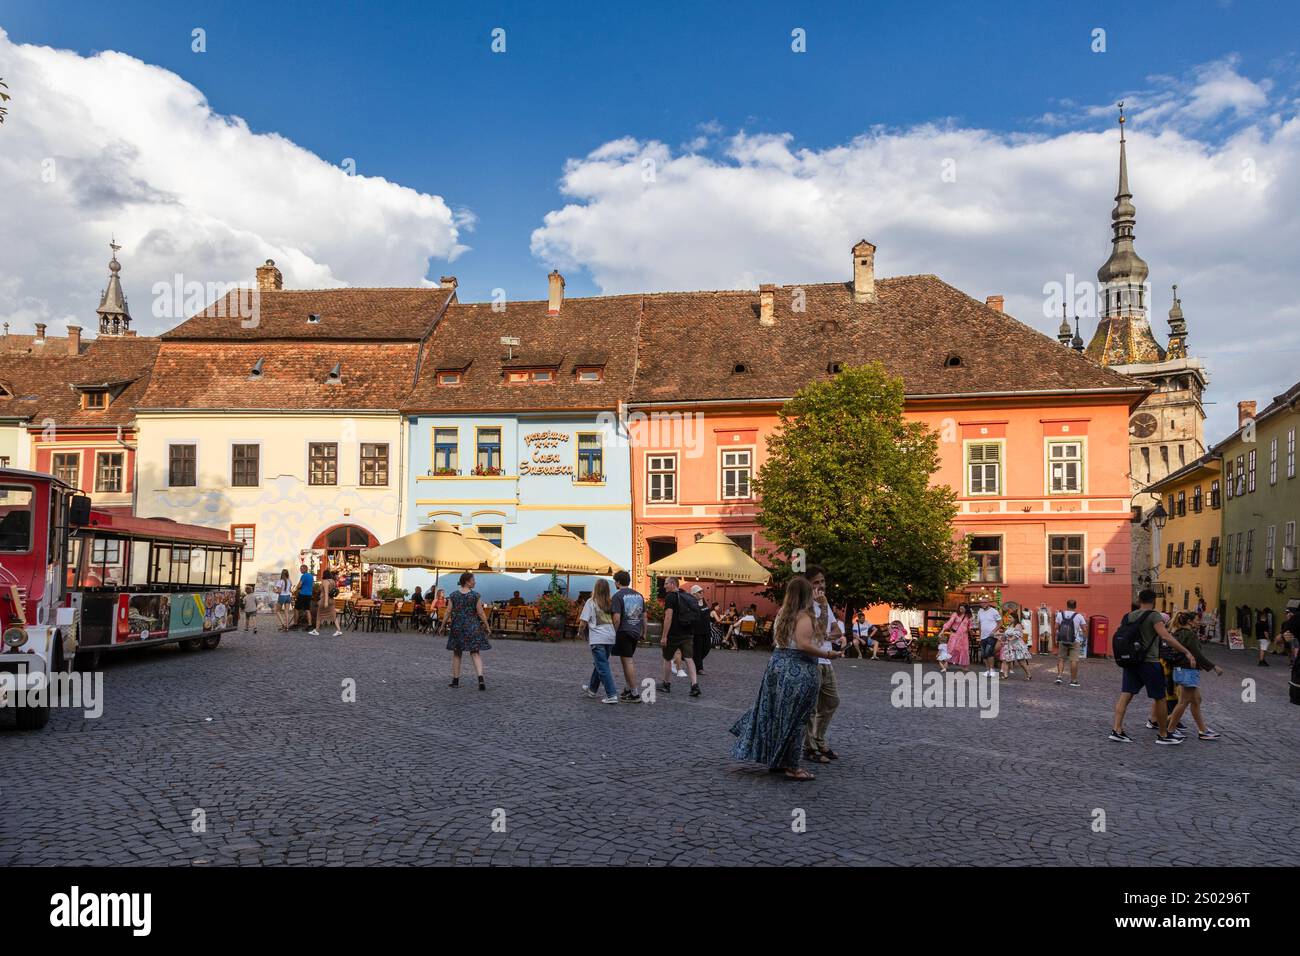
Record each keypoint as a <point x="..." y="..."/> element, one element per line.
<point x="76" y="583"/>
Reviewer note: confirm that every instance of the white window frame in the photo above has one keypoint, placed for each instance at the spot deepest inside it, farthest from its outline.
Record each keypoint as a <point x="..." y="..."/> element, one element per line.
<point x="1288" y="547"/>
<point x="724" y="468"/>
<point x="1000" y="464"/>
<point x="1081" y="484"/>
<point x="1272" y="461"/>
<point x="1270" y="545"/>
<point x="1290" y="453"/>
<point x="122" y="477"/>
<point x="75" y="454"/>
<point x="652" y="471"/>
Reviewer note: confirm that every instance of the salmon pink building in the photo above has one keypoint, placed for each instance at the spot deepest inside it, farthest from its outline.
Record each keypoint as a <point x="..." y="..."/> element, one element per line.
<point x="1033" y="435"/>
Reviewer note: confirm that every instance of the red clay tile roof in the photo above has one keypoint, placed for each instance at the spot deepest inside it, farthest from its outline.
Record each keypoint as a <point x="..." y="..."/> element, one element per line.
<point x="44" y="386"/>
<point x="195" y="375"/>
<point x="345" y="314"/>
<point x="604" y="325"/>
<point x="691" y="342"/>
<point x="14" y="344"/>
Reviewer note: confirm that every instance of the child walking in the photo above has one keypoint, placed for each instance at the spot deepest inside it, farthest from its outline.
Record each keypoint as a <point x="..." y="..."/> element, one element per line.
<point x="250" y="609"/>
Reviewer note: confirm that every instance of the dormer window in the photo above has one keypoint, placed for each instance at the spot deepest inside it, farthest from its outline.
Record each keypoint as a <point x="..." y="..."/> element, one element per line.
<point x="95" y="399"/>
<point x="541" y="376"/>
<point x="589" y="374"/>
<point x="525" y="376"/>
<point x="449" y="378"/>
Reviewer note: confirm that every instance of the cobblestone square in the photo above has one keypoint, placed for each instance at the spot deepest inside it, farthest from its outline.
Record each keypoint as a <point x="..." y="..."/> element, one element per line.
<point x="256" y="735"/>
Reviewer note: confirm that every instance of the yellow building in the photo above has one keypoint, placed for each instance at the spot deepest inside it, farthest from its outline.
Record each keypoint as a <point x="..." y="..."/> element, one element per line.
<point x="1185" y="552"/>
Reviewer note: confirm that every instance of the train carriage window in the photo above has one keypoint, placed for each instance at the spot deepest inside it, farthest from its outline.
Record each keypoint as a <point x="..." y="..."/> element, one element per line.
<point x="139" y="576"/>
<point x="180" y="566"/>
<point x="198" y="566"/>
<point x="16" y="505"/>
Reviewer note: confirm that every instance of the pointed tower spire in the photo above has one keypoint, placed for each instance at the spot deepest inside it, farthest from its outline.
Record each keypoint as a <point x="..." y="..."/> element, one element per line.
<point x="1124" y="334"/>
<point x="1063" y="331"/>
<point x="114" y="317"/>
<point x="1177" y="329"/>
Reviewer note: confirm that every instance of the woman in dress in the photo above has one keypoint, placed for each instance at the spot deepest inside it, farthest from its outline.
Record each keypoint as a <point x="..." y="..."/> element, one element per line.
<point x="1014" y="649"/>
<point x="468" y="630"/>
<point x="771" y="731"/>
<point x="957" y="633"/>
<point x="283" y="599"/>
<point x="326" y="590"/>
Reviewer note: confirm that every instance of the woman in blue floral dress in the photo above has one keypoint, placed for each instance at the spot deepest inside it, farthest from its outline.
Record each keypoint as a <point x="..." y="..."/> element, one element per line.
<point x="771" y="731"/>
<point x="468" y="630"/>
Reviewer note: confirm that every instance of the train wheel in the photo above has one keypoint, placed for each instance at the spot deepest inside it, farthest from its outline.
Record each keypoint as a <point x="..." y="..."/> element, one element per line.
<point x="210" y="643"/>
<point x="193" y="645"/>
<point x="86" y="660"/>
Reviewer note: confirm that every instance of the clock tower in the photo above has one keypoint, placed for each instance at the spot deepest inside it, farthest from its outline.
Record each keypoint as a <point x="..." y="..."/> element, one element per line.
<point x="1167" y="431"/>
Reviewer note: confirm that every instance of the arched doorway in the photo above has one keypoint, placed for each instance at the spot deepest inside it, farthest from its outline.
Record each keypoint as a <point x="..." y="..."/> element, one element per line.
<point x="342" y="546"/>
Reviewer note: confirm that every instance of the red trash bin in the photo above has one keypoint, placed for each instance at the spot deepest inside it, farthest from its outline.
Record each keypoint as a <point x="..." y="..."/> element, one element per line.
<point x="1099" y="636"/>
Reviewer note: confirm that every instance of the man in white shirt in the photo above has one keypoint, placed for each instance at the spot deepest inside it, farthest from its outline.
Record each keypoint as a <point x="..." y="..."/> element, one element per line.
<point x="989" y="620"/>
<point x="828" y="698"/>
<point x="1071" y="649"/>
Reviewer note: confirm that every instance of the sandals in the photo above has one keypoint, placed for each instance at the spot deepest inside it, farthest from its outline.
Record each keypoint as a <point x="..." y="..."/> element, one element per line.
<point x="830" y="754"/>
<point x="798" y="773"/>
<point x="816" y="756"/>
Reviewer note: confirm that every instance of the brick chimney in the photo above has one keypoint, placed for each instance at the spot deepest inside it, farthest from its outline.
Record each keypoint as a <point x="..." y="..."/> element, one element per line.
<point x="447" y="282"/>
<point x="269" y="278"/>
<point x="864" y="272"/>
<point x="40" y="332"/>
<point x="555" y="293"/>
<point x="994" y="302"/>
<point x="767" y="305"/>
<point x="74" y="339"/>
<point x="1245" y="412"/>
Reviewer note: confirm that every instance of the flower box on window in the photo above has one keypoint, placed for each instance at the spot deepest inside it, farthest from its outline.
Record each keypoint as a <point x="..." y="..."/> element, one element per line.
<point x="487" y="471"/>
<point x="591" y="479"/>
<point x="444" y="472"/>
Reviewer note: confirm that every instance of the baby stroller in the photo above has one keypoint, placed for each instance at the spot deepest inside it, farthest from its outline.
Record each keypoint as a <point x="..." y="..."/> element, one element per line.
<point x="900" y="646"/>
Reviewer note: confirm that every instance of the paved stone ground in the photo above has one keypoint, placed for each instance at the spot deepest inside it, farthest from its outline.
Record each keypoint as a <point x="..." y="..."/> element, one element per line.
<point x="256" y="734"/>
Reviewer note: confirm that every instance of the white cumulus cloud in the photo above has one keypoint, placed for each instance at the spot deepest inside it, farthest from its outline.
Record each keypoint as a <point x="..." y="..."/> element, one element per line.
<point x="108" y="145"/>
<point x="991" y="213"/>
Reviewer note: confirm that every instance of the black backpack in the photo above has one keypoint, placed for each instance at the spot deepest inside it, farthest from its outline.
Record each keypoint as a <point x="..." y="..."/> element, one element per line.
<point x="685" y="611"/>
<point x="1128" y="648"/>
<point x="1065" y="630"/>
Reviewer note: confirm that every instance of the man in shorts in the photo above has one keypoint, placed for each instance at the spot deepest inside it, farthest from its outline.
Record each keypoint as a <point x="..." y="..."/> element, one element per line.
<point x="989" y="619"/>
<point x="1148" y="675"/>
<point x="303" y="604"/>
<point x="1069" y="650"/>
<point x="678" y="634"/>
<point x="628" y="607"/>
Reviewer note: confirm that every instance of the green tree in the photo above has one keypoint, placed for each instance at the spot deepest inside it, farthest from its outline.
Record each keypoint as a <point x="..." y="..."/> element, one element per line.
<point x="848" y="480"/>
<point x="4" y="98"/>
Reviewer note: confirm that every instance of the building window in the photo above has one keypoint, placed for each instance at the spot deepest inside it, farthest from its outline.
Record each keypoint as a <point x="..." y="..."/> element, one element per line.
<point x="984" y="468"/>
<point x="1169" y="555"/>
<point x="1146" y="462"/>
<point x="1065" y="464"/>
<point x="374" y="464"/>
<point x="244" y="465"/>
<point x="105" y="552"/>
<point x="661" y="479"/>
<point x="1250" y="471"/>
<point x="1198" y="502"/>
<point x="449" y="378"/>
<point x="589" y="374"/>
<point x="743" y="541"/>
<point x="1288" y="547"/>
<point x="492" y="532"/>
<point x="1270" y="545"/>
<point x="1290" y="453"/>
<point x="488" y="460"/>
<point x="1227" y="558"/>
<point x="1178" y="555"/>
<point x="1212" y="553"/>
<point x="67" y="467"/>
<point x="591" y="457"/>
<point x="579" y="529"/>
<point x="1216" y="498"/>
<point x="736" y="472"/>
<point x="181" y="470"/>
<point x="446" y="454"/>
<point x="97" y="400"/>
<point x="1240" y="555"/>
<point x="1228" y="476"/>
<point x="530" y="375"/>
<point x="1272" y="462"/>
<point x="109" y="466"/>
<point x="986" y="552"/>
<point x="1250" y="548"/>
<point x="1194" y="557"/>
<point x="1240" y="488"/>
<point x="1182" y="504"/>
<point x="322" y="463"/>
<point x="244" y="534"/>
<point x="1065" y="559"/>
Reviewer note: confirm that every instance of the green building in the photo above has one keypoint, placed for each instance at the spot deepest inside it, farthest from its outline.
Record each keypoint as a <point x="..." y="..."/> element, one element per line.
<point x="1261" y="505"/>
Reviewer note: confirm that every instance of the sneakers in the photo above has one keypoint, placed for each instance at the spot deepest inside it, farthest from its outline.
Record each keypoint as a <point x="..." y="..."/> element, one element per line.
<point x="1208" y="735"/>
<point x="1120" y="737"/>
<point x="1264" y="664"/>
<point x="1178" y="735"/>
<point x="695" y="690"/>
<point x="1169" y="741"/>
<point x="1152" y="725"/>
<point x="314" y="633"/>
<point x="589" y="692"/>
<point x="1059" y="680"/>
<point x="336" y="633"/>
<point x="665" y="687"/>
<point x="1075" y="683"/>
<point x="611" y="699"/>
<point x="628" y="696"/>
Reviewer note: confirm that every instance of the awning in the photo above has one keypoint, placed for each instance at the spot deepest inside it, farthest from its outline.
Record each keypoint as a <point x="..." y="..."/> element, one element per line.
<point x="715" y="557"/>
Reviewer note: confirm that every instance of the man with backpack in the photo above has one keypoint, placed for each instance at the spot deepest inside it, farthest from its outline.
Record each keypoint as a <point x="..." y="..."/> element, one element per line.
<point x="680" y="611"/>
<point x="1136" y="648"/>
<point x="1069" y="641"/>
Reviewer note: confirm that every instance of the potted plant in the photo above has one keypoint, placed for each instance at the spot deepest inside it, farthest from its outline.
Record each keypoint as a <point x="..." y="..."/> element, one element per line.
<point x="487" y="471"/>
<point x="654" y="619"/>
<point x="392" y="594"/>
<point x="444" y="472"/>
<point x="553" y="611"/>
<point x="591" y="478"/>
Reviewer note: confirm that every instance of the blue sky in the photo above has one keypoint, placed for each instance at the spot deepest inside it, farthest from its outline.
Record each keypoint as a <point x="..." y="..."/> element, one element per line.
<point x="413" y="92"/>
<point x="769" y="163"/>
